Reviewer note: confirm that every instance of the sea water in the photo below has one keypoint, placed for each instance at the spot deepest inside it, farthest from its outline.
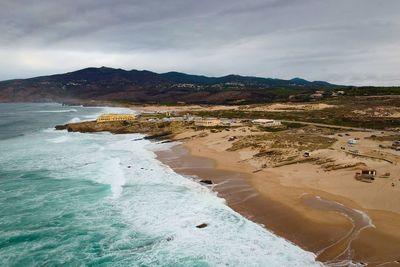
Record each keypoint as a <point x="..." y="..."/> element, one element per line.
<point x="100" y="199"/>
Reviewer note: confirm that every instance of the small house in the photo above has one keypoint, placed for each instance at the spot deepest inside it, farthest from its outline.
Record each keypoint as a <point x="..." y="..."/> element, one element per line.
<point x="337" y="93"/>
<point x="231" y="123"/>
<point x="266" y="122"/>
<point x="190" y="118"/>
<point x="366" y="175"/>
<point x="368" y="172"/>
<point x="225" y="122"/>
<point x="316" y="95"/>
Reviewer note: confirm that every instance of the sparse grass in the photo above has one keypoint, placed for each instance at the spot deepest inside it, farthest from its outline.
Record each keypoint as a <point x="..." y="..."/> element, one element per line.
<point x="284" y="140"/>
<point x="385" y="138"/>
<point x="211" y="128"/>
<point x="293" y="125"/>
<point x="271" y="129"/>
<point x="284" y="147"/>
<point x="265" y="153"/>
<point x="372" y="91"/>
<point x="341" y="114"/>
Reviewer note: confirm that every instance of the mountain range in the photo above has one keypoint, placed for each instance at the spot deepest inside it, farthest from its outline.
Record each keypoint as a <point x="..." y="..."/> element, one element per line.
<point x="134" y="86"/>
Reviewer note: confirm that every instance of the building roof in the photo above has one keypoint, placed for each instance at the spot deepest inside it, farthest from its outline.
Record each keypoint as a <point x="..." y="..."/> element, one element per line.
<point x="263" y="120"/>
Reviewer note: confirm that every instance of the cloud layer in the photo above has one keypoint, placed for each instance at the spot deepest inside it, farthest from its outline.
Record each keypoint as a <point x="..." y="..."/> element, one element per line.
<point x="341" y="41"/>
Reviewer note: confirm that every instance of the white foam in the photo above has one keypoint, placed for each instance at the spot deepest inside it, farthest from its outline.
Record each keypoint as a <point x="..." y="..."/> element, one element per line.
<point x="157" y="202"/>
<point x="345" y="263"/>
<point x="118" y="110"/>
<point x="103" y="110"/>
<point x="74" y="120"/>
<point x="56" y="111"/>
<point x="61" y="139"/>
<point x="50" y="130"/>
<point x="160" y="202"/>
<point x="366" y="218"/>
<point x="111" y="173"/>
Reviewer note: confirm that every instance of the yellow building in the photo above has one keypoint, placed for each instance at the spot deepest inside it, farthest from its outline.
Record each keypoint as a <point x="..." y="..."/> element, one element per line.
<point x="209" y="122"/>
<point x="115" y="117"/>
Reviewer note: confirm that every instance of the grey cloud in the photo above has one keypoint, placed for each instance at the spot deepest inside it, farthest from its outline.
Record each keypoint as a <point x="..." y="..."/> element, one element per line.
<point x="331" y="39"/>
<point x="257" y="6"/>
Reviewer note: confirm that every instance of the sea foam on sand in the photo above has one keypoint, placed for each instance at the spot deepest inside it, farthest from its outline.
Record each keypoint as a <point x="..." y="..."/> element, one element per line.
<point x="105" y="199"/>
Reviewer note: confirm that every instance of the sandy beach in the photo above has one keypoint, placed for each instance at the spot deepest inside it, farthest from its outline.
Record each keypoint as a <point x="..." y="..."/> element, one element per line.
<point x="327" y="212"/>
<point x="301" y="181"/>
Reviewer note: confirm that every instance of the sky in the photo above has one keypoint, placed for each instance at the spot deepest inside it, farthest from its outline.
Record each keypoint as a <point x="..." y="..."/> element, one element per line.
<point x="352" y="42"/>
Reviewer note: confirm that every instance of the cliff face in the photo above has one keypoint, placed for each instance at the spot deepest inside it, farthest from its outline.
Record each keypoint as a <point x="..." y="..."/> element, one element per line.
<point x="101" y="84"/>
<point x="152" y="129"/>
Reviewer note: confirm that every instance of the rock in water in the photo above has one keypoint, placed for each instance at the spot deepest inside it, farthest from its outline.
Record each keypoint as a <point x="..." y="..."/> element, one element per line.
<point x="203" y="225"/>
<point x="206" y="182"/>
<point x="61" y="127"/>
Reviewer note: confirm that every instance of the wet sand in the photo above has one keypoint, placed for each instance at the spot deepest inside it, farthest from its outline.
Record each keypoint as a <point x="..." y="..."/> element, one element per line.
<point x="335" y="238"/>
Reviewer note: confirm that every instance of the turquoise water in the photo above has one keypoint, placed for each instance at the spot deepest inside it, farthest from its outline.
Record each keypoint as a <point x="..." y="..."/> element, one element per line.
<point x="77" y="199"/>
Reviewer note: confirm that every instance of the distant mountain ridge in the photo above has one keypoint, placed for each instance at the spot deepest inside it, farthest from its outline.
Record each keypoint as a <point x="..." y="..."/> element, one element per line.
<point x="150" y="87"/>
<point x="183" y="77"/>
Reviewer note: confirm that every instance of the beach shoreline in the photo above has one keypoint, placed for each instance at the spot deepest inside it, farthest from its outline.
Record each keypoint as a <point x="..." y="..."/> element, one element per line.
<point x="333" y="235"/>
<point x="315" y="202"/>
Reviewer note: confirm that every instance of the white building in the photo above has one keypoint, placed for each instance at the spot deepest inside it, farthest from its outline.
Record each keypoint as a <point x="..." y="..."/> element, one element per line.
<point x="266" y="122"/>
<point x="231" y="122"/>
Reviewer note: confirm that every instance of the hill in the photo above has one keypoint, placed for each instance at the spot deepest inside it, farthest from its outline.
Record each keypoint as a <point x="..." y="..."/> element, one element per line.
<point x="134" y="86"/>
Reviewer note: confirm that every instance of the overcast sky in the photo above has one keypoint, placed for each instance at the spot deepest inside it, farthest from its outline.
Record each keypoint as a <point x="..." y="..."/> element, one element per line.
<point x="340" y="41"/>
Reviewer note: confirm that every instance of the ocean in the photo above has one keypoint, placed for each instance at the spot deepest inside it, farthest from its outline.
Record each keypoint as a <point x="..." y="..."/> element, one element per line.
<point x="74" y="199"/>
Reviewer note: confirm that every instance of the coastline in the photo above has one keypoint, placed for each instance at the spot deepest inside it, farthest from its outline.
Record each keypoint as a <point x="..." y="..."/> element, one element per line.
<point x="328" y="231"/>
<point x="104" y="199"/>
<point x="242" y="196"/>
<point x="326" y="212"/>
